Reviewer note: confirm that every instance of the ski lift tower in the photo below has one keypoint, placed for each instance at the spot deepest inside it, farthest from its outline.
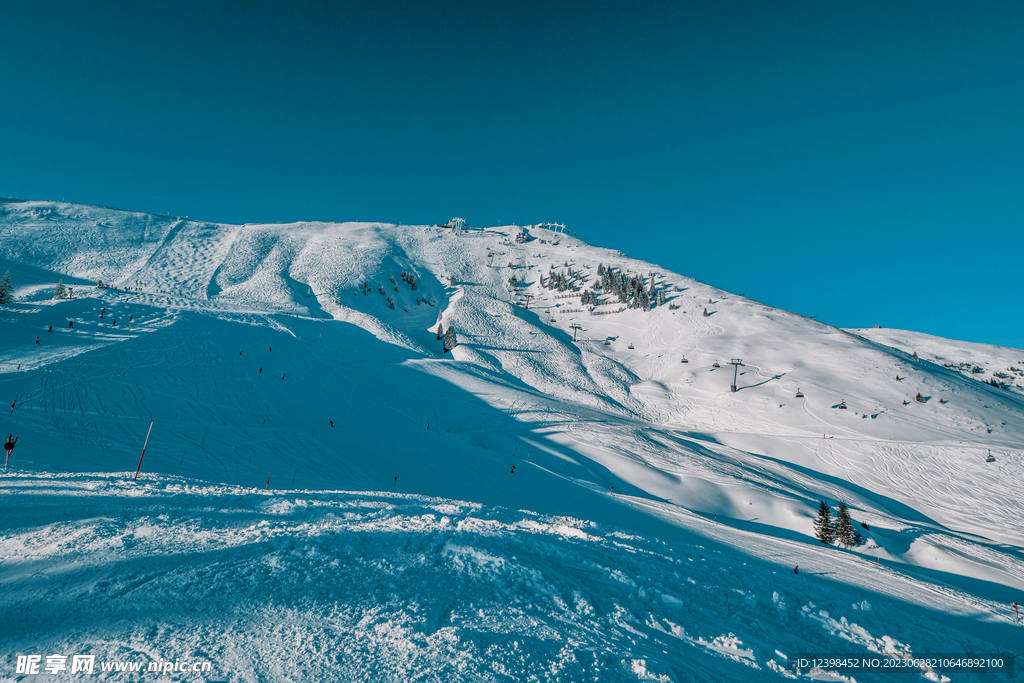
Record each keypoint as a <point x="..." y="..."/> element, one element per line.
<point x="735" y="363"/>
<point x="575" y="327"/>
<point x="457" y="224"/>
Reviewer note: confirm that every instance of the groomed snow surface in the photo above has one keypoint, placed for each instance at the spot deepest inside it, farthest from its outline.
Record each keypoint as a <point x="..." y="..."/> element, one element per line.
<point x="649" y="530"/>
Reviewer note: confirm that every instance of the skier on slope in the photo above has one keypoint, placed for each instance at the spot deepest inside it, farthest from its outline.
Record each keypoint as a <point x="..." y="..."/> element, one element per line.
<point x="796" y="569"/>
<point x="1015" y="610"/>
<point x="513" y="469"/>
<point x="9" y="446"/>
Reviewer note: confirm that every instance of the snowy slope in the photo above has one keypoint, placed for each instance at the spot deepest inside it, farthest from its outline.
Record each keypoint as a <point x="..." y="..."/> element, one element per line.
<point x="982" y="362"/>
<point x="245" y="342"/>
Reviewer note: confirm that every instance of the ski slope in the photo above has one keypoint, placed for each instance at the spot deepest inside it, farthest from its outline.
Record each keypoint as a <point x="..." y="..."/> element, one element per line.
<point x="648" y="532"/>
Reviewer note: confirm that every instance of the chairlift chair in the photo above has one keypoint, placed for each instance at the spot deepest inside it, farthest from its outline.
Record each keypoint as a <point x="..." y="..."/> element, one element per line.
<point x="799" y="394"/>
<point x="630" y="346"/>
<point x="842" y="405"/>
<point x="990" y="458"/>
<point x="715" y="365"/>
<point x="684" y="360"/>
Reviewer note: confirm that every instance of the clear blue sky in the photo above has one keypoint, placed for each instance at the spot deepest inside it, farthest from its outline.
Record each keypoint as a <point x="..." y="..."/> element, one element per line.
<point x="858" y="161"/>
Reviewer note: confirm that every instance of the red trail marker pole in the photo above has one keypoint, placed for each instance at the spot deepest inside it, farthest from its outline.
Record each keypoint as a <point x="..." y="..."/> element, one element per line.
<point x="268" y="482"/>
<point x="143" y="452"/>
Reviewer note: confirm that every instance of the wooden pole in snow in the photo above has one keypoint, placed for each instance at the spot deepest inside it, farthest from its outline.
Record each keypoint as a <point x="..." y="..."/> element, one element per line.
<point x="268" y="482"/>
<point x="143" y="452"/>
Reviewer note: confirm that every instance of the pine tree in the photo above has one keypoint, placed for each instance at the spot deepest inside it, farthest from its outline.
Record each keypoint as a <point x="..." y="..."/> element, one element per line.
<point x="823" y="530"/>
<point x="439" y="319"/>
<point x="642" y="300"/>
<point x="705" y="312"/>
<point x="440" y="330"/>
<point x="6" y="289"/>
<point x="450" y="341"/>
<point x="58" y="291"/>
<point x="844" y="531"/>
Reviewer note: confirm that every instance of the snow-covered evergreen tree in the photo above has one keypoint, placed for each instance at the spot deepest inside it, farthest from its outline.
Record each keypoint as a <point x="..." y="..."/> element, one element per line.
<point x="823" y="529"/>
<point x="642" y="300"/>
<point x="440" y="330"/>
<point x="450" y="341"/>
<point x="6" y="289"/>
<point x="844" y="532"/>
<point x="59" y="292"/>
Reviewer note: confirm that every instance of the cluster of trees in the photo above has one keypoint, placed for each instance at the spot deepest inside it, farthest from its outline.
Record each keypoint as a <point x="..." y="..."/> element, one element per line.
<point x="365" y="287"/>
<point x="561" y="282"/>
<point x="630" y="290"/>
<point x="448" y="337"/>
<point x="841" y="531"/>
<point x="523" y="236"/>
<point x="410" y="278"/>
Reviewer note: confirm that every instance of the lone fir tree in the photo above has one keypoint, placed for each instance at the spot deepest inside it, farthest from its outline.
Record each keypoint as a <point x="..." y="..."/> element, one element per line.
<point x="823" y="529"/>
<point x="59" y="292"/>
<point x="440" y="331"/>
<point x="450" y="341"/>
<point x="844" y="531"/>
<point x="6" y="289"/>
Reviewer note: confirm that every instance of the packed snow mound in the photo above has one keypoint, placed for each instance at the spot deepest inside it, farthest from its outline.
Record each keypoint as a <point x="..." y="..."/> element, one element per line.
<point x="584" y="384"/>
<point x="334" y="585"/>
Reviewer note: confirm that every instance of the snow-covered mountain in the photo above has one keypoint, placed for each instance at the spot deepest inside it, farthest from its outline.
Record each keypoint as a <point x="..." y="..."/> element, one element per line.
<point x="333" y="495"/>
